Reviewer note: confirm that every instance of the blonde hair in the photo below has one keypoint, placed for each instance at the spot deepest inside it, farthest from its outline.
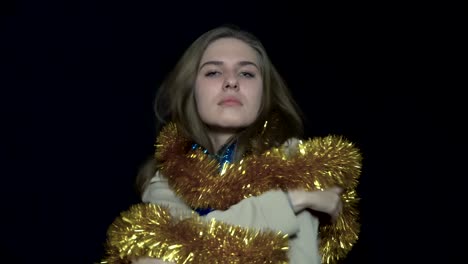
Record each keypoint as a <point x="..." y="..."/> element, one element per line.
<point x="175" y="102"/>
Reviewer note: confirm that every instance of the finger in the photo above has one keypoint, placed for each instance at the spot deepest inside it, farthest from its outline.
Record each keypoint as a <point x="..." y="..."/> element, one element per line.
<point x="337" y="212"/>
<point x="336" y="189"/>
<point x="334" y="216"/>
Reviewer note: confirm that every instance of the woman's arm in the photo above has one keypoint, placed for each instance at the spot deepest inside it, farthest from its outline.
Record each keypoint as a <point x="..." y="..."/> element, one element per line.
<point x="271" y="210"/>
<point x="151" y="230"/>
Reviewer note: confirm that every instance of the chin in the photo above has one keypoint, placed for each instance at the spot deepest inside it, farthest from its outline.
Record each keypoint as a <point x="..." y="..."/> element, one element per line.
<point x="231" y="124"/>
<point x="237" y="122"/>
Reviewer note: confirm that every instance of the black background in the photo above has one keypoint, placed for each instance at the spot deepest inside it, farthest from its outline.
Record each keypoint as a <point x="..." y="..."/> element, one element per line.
<point x="78" y="81"/>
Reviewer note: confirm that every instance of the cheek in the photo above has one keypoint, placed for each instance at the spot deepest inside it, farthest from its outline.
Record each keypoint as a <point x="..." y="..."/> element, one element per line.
<point x="256" y="96"/>
<point x="202" y="90"/>
<point x="202" y="98"/>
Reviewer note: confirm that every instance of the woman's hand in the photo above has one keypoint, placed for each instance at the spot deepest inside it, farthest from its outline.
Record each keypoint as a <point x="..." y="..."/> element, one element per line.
<point x="327" y="201"/>
<point x="147" y="260"/>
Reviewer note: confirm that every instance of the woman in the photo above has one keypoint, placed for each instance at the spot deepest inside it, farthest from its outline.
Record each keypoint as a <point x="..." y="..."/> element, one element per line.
<point x="231" y="181"/>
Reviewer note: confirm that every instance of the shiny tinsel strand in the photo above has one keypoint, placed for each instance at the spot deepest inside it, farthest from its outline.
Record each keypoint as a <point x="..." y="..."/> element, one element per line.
<point x="150" y="230"/>
<point x="317" y="164"/>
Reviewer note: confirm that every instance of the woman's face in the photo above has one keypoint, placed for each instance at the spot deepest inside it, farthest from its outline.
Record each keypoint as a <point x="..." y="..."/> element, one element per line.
<point x="228" y="87"/>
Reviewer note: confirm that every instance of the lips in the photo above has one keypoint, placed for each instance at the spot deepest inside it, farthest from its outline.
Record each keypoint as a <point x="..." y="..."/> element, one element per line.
<point x="230" y="101"/>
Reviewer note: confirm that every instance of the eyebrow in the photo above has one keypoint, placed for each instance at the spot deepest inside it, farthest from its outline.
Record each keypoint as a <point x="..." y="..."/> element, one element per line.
<point x="218" y="63"/>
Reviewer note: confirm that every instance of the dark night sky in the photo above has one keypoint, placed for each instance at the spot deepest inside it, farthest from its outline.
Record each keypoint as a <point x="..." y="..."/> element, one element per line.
<point x="78" y="82"/>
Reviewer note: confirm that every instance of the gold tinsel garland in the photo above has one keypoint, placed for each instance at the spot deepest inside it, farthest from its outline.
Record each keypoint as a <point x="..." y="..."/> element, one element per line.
<point x="318" y="164"/>
<point x="150" y="230"/>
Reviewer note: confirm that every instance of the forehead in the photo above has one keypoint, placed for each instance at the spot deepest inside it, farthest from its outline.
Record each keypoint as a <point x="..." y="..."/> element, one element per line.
<point x="230" y="49"/>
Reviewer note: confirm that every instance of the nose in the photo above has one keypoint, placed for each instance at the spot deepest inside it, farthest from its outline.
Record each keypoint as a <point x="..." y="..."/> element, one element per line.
<point x="231" y="83"/>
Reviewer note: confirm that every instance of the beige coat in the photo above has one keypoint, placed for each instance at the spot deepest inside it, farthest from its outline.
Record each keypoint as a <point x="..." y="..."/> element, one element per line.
<point x="271" y="210"/>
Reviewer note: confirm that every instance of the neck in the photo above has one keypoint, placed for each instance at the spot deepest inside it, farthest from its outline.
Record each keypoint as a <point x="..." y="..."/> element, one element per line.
<point x="220" y="136"/>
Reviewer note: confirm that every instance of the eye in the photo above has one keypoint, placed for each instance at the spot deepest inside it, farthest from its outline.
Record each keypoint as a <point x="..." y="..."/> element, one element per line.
<point x="212" y="73"/>
<point x="247" y="74"/>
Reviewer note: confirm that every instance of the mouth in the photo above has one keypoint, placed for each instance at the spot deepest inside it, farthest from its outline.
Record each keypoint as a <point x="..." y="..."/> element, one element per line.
<point x="230" y="102"/>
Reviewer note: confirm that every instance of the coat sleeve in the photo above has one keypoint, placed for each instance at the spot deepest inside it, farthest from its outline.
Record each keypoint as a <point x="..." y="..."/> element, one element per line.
<point x="165" y="228"/>
<point x="270" y="210"/>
